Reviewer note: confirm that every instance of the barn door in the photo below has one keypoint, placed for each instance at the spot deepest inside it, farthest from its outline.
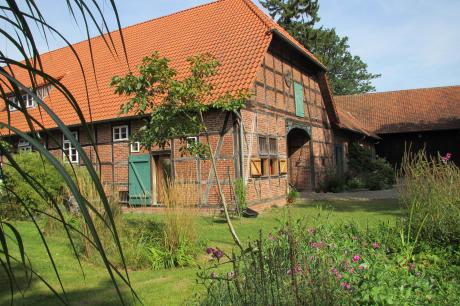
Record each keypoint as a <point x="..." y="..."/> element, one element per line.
<point x="139" y="180"/>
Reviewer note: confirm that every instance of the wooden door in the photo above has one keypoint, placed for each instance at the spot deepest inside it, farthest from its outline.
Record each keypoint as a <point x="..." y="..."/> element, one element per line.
<point x="139" y="180"/>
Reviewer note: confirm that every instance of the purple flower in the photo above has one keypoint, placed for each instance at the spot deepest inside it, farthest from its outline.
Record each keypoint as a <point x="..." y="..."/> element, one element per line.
<point x="346" y="286"/>
<point x="376" y="245"/>
<point x="356" y="258"/>
<point x="312" y="230"/>
<point x="217" y="254"/>
<point x="213" y="275"/>
<point x="209" y="251"/>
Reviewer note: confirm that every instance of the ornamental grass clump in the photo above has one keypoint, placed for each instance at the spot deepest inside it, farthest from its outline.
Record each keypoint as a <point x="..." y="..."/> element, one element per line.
<point x="430" y="195"/>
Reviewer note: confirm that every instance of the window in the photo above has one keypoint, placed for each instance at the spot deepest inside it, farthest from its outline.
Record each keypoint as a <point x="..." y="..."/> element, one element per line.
<point x="298" y="93"/>
<point x="263" y="146"/>
<point x="135" y="147"/>
<point x="24" y="146"/>
<point x="273" y="146"/>
<point x="29" y="101"/>
<point x="11" y="107"/>
<point x="339" y="158"/>
<point x="70" y="153"/>
<point x="120" y="133"/>
<point x="268" y="150"/>
<point x="191" y="141"/>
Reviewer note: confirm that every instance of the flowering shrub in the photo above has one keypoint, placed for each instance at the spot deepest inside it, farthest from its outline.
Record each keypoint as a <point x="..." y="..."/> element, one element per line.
<point x="331" y="265"/>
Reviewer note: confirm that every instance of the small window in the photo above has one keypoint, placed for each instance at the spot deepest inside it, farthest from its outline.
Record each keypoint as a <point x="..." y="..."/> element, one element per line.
<point x="28" y="100"/>
<point x="273" y="146"/>
<point x="120" y="133"/>
<point x="12" y="107"/>
<point x="24" y="146"/>
<point x="123" y="197"/>
<point x="135" y="147"/>
<point x="70" y="153"/>
<point x="191" y="141"/>
<point x="263" y="146"/>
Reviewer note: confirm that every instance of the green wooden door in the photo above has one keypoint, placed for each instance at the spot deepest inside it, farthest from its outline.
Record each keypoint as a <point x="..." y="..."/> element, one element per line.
<point x="140" y="180"/>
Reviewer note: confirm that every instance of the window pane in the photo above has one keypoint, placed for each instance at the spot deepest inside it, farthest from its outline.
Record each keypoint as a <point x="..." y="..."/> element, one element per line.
<point x="263" y="150"/>
<point x="273" y="146"/>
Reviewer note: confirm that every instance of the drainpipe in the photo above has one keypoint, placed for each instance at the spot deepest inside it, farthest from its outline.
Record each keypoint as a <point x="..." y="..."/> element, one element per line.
<point x="240" y="143"/>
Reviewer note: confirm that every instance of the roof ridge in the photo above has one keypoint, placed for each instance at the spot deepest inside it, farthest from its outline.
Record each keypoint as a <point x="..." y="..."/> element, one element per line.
<point x="398" y="90"/>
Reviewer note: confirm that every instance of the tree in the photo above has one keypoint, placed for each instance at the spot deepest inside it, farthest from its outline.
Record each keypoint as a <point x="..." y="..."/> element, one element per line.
<point x="175" y="107"/>
<point x="347" y="73"/>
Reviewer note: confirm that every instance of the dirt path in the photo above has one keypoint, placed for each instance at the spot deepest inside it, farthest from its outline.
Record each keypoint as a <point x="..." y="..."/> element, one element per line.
<point x="364" y="195"/>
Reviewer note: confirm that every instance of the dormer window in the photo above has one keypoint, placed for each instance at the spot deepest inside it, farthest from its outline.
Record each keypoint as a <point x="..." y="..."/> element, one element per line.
<point x="29" y="101"/>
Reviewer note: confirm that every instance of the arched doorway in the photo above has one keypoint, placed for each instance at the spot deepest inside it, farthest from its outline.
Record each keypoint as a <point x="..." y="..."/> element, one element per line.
<point x="299" y="159"/>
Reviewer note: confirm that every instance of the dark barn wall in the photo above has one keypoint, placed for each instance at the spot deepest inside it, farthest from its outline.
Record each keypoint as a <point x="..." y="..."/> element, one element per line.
<point x="393" y="146"/>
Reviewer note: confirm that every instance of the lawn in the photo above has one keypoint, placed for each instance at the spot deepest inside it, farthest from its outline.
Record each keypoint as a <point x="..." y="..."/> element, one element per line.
<point x="172" y="287"/>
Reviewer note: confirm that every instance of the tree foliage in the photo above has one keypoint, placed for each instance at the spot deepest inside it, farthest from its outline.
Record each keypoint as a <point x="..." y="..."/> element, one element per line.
<point x="174" y="107"/>
<point x="348" y="73"/>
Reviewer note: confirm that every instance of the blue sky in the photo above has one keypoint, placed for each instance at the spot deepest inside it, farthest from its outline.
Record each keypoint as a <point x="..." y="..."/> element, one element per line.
<point x="412" y="43"/>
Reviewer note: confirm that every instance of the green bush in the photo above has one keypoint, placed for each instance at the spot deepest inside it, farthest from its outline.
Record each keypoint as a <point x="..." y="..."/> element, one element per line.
<point x="430" y="195"/>
<point x="332" y="181"/>
<point x="331" y="265"/>
<point x="40" y="170"/>
<point x="375" y="172"/>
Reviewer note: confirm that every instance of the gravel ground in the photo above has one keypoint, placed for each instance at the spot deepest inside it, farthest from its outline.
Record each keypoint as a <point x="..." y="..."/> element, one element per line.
<point x="363" y="195"/>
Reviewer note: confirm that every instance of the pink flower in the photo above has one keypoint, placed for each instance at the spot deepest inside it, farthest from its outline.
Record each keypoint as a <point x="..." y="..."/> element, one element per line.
<point x="346" y="286"/>
<point x="317" y="245"/>
<point x="356" y="258"/>
<point x="375" y="245"/>
<point x="446" y="158"/>
<point x="411" y="267"/>
<point x="361" y="267"/>
<point x="352" y="270"/>
<point x="297" y="269"/>
<point x="312" y="230"/>
<point x="271" y="237"/>
<point x="213" y="275"/>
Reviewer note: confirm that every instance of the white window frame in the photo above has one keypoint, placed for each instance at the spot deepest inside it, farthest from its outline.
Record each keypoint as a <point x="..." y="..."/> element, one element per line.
<point x="11" y="107"/>
<point x="29" y="100"/>
<point x="119" y="128"/>
<point x="69" y="152"/>
<point x="24" y="146"/>
<point x="191" y="139"/>
<point x="135" y="147"/>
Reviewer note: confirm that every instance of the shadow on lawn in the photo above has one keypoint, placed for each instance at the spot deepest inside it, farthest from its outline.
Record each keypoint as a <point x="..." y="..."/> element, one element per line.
<point x="389" y="207"/>
<point x="103" y="294"/>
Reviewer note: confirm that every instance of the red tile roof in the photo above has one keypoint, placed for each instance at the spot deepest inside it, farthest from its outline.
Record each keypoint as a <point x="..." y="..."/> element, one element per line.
<point x="349" y="122"/>
<point x="406" y="110"/>
<point x="236" y="32"/>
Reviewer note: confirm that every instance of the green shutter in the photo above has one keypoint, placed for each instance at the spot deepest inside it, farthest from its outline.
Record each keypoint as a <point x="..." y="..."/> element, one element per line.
<point x="298" y="92"/>
<point x="139" y="176"/>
